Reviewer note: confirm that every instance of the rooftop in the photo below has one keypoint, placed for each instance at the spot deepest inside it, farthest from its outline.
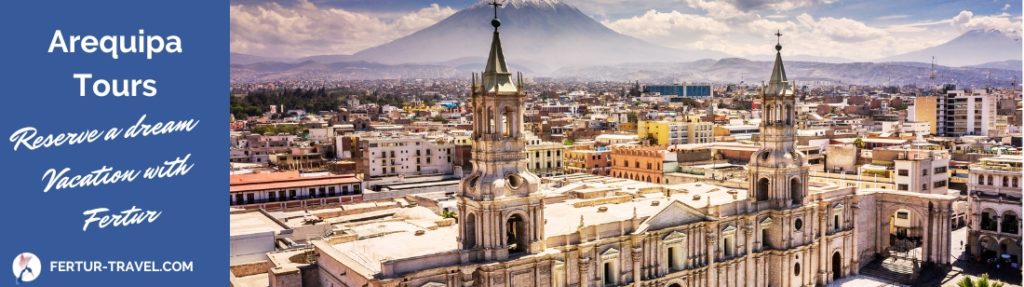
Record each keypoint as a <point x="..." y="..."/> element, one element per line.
<point x="286" y="180"/>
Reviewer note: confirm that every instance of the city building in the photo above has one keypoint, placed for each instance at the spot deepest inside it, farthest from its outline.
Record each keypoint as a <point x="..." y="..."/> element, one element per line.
<point x="994" y="208"/>
<point x="923" y="109"/>
<point x="964" y="112"/>
<point x="291" y="189"/>
<point x="597" y="162"/>
<point x="666" y="133"/>
<point x="684" y="90"/>
<point x="544" y="158"/>
<point x="405" y="154"/>
<point x="648" y="164"/>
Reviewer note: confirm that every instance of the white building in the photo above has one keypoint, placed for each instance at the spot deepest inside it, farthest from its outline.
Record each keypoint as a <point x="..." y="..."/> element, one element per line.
<point x="544" y="158"/>
<point x="408" y="155"/>
<point x="966" y="112"/>
<point x="994" y="205"/>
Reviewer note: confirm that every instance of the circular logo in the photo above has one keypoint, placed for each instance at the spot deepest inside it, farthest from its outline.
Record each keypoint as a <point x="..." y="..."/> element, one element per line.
<point x="26" y="267"/>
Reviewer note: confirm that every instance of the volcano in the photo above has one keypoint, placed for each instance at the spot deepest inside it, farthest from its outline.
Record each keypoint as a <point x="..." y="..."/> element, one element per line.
<point x="541" y="35"/>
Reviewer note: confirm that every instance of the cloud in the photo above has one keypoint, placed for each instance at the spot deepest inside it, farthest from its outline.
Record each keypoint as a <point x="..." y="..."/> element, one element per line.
<point x="775" y="5"/>
<point x="304" y="29"/>
<point x="892" y="17"/>
<point x="966" y="20"/>
<point x="842" y="29"/>
<point x="656" y="24"/>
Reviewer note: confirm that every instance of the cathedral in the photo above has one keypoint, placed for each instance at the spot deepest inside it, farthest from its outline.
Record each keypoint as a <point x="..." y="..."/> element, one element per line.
<point x="583" y="230"/>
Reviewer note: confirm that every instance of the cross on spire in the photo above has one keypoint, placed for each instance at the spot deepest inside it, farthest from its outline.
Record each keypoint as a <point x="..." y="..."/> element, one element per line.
<point x="778" y="40"/>
<point x="496" y="5"/>
<point x="495" y="22"/>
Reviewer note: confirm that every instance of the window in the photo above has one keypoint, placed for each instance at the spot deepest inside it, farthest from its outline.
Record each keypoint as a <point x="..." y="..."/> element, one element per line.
<point x="1006" y="181"/>
<point x="903" y="187"/>
<point x="924" y="172"/>
<point x="796" y="269"/>
<point x="938" y="184"/>
<point x="764" y="238"/>
<point x="940" y="169"/>
<point x="798" y="224"/>
<point x="902" y="215"/>
<point x="672" y="259"/>
<point x="727" y="246"/>
<point x="987" y="221"/>
<point x="902" y="172"/>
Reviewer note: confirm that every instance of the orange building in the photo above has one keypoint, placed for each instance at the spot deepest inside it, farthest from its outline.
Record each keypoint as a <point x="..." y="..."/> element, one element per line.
<point x="586" y="161"/>
<point x="639" y="163"/>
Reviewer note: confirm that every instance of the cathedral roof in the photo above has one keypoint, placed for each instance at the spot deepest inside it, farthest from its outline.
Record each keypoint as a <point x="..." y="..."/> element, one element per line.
<point x="496" y="78"/>
<point x="778" y="84"/>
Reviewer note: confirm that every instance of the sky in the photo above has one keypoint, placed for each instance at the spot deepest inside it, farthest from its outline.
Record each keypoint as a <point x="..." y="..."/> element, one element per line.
<point x="841" y="29"/>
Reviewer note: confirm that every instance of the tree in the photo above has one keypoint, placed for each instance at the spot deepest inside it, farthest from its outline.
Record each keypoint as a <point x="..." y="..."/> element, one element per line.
<point x="859" y="142"/>
<point x="631" y="117"/>
<point x="449" y="214"/>
<point x="981" y="282"/>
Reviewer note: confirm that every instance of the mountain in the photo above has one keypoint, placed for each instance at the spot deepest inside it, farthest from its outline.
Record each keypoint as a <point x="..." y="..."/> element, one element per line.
<point x="732" y="70"/>
<point x="245" y="59"/>
<point x="974" y="47"/>
<point x="546" y="32"/>
<point x="1005" y="65"/>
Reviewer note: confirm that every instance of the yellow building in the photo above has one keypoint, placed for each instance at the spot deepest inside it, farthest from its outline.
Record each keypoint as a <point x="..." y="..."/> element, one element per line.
<point x="924" y="111"/>
<point x="665" y="133"/>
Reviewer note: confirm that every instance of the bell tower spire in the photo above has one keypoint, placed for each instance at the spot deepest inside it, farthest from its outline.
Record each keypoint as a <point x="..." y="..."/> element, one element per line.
<point x="778" y="172"/>
<point x="501" y="212"/>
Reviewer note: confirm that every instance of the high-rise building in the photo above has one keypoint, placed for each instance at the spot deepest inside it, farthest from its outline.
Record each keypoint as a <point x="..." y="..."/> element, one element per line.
<point x="964" y="112"/>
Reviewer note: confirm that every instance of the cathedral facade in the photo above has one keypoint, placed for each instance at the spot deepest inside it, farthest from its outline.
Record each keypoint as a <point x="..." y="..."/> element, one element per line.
<point x="512" y="232"/>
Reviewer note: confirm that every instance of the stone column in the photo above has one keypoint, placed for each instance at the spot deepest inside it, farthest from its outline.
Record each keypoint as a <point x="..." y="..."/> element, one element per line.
<point x="637" y="256"/>
<point x="823" y="250"/>
<point x="584" y="265"/>
<point x="748" y="270"/>
<point x="855" y="257"/>
<point x="710" y="240"/>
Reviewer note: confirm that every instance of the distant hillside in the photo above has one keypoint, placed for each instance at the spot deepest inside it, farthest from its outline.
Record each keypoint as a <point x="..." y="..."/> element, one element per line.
<point x="1005" y="65"/>
<point x="974" y="47"/>
<point x="733" y="70"/>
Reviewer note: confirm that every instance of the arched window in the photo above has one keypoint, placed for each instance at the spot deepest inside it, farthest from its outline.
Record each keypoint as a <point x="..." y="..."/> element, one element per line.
<point x="1008" y="223"/>
<point x="796" y="191"/>
<point x="1015" y="183"/>
<point x="762" y="189"/>
<point x="989" y="180"/>
<point x="515" y="234"/>
<point x="981" y="179"/>
<point x="1006" y="181"/>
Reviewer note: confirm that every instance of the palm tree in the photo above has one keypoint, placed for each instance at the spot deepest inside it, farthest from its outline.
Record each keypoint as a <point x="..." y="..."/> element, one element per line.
<point x="981" y="282"/>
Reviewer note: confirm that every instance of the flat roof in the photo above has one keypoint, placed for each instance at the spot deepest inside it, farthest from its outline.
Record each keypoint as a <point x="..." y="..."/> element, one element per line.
<point x="286" y="180"/>
<point x="252" y="222"/>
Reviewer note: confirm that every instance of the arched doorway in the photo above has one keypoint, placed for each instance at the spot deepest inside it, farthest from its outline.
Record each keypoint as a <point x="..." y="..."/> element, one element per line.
<point x="837" y="266"/>
<point x="762" y="189"/>
<point x="796" y="191"/>
<point x="906" y="232"/>
<point x="674" y="285"/>
<point x="515" y="231"/>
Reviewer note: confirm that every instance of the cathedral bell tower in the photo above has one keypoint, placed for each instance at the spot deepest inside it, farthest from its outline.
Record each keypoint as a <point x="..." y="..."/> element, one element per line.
<point x="777" y="171"/>
<point x="501" y="212"/>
